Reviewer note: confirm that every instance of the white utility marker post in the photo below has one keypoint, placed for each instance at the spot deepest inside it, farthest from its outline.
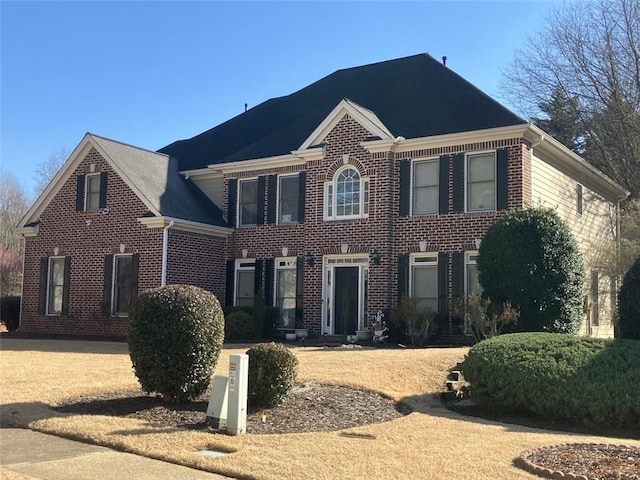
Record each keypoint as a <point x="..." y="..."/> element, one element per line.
<point x="238" y="383"/>
<point x="217" y="409"/>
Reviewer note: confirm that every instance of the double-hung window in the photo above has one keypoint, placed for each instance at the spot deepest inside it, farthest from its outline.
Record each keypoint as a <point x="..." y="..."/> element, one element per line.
<point x="55" y="285"/>
<point x="248" y="202"/>
<point x="472" y="284"/>
<point x="347" y="195"/>
<point x="123" y="285"/>
<point x="424" y="189"/>
<point x="92" y="193"/>
<point x="424" y="281"/>
<point x="288" y="199"/>
<point x="286" y="291"/>
<point x="481" y="182"/>
<point x="244" y="283"/>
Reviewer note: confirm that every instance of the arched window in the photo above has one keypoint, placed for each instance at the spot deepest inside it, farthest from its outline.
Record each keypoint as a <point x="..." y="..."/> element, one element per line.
<point x="347" y="195"/>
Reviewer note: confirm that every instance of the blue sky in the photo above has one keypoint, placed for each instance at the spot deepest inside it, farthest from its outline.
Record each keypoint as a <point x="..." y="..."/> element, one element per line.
<point x="148" y="73"/>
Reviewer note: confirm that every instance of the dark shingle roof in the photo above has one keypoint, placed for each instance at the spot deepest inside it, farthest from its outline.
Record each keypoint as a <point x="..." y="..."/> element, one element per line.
<point x="414" y="96"/>
<point x="156" y="178"/>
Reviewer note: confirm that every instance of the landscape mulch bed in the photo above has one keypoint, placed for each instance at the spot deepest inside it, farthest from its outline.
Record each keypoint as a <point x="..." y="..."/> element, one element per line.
<point x="310" y="407"/>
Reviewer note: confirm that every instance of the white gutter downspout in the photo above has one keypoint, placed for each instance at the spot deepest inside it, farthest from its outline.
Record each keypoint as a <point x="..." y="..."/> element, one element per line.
<point x="165" y="248"/>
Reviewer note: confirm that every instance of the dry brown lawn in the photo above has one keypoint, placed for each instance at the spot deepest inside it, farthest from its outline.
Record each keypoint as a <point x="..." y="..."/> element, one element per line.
<point x="430" y="443"/>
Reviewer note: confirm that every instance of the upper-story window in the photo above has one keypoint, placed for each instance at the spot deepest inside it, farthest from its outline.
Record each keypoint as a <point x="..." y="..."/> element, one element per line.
<point x="347" y="196"/>
<point x="288" y="198"/>
<point x="481" y="182"/>
<point x="248" y="202"/>
<point x="91" y="193"/>
<point x="579" y="199"/>
<point x="424" y="187"/>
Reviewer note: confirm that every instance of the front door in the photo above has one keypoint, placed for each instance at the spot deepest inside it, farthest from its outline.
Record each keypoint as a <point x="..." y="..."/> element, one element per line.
<point x="346" y="292"/>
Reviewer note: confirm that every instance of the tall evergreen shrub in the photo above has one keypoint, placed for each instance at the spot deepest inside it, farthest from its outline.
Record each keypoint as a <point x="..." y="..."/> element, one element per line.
<point x="629" y="303"/>
<point x="530" y="258"/>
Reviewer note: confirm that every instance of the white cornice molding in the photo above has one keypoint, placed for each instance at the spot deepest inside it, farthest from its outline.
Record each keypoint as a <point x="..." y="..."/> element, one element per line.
<point x="202" y="173"/>
<point x="400" y="144"/>
<point x="28" y="231"/>
<point x="257" y="164"/>
<point x="186" y="225"/>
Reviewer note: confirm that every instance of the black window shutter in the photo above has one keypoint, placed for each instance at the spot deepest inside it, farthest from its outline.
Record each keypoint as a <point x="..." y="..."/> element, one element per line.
<point x="458" y="275"/>
<point x="502" y="183"/>
<point x="232" y="204"/>
<point x="302" y="182"/>
<point x="443" y="185"/>
<point x="269" y="270"/>
<point x="106" y="285"/>
<point x="103" y="190"/>
<point x="300" y="288"/>
<point x="258" y="277"/>
<point x="135" y="269"/>
<point x="230" y="281"/>
<point x="44" y="280"/>
<point x="261" y="200"/>
<point x="458" y="183"/>
<point x="65" y="286"/>
<point x="272" y="198"/>
<point x="80" y="193"/>
<point x="403" y="276"/>
<point x="405" y="187"/>
<point x="443" y="277"/>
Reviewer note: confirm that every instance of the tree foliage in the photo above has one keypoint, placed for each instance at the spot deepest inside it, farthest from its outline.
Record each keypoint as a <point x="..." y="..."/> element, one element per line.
<point x="582" y="72"/>
<point x="530" y="259"/>
<point x="47" y="169"/>
<point x="14" y="203"/>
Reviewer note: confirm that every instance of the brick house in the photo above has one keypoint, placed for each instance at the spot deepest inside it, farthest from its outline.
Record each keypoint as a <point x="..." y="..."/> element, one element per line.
<point x="373" y="183"/>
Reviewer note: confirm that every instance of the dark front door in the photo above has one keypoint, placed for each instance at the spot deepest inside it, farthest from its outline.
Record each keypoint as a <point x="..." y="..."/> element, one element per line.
<point x="346" y="300"/>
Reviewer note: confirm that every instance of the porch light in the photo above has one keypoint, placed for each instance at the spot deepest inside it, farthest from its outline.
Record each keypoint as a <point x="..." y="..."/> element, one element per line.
<point x="376" y="257"/>
<point x="311" y="260"/>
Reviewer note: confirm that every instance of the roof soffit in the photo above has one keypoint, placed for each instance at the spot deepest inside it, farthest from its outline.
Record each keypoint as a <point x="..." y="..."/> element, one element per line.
<point x="363" y="116"/>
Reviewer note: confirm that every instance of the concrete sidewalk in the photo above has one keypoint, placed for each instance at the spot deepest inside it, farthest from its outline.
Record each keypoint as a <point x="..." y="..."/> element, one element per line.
<point x="40" y="456"/>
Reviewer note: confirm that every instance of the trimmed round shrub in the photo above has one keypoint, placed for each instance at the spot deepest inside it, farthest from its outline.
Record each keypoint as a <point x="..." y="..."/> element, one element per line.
<point x="565" y="377"/>
<point x="272" y="374"/>
<point x="239" y="325"/>
<point x="629" y="303"/>
<point x="530" y="258"/>
<point x="175" y="336"/>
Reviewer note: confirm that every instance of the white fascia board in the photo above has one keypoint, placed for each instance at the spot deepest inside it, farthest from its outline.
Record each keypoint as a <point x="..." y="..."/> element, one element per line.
<point x="186" y="225"/>
<point x="257" y="164"/>
<point x="364" y="117"/>
<point x="28" y="231"/>
<point x="200" y="173"/>
<point x="57" y="181"/>
<point x="400" y="145"/>
<point x="574" y="162"/>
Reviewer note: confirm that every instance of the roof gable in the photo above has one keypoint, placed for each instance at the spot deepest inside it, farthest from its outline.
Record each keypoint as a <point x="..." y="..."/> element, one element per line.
<point x="412" y="97"/>
<point x="152" y="176"/>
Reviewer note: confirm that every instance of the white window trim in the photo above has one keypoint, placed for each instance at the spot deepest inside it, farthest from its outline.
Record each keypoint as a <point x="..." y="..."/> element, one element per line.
<point x="469" y="259"/>
<point x="279" y="197"/>
<point x="251" y="266"/>
<point x="283" y="263"/>
<point x="114" y="271"/>
<point x="239" y="202"/>
<point x="421" y="260"/>
<point x="413" y="163"/>
<point x="49" y="273"/>
<point x="579" y="199"/>
<point x="495" y="181"/>
<point x="365" y="185"/>
<point x="86" y="191"/>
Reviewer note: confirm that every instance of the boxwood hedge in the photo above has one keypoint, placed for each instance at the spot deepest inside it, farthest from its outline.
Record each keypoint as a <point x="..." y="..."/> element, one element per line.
<point x="273" y="369"/>
<point x="560" y="376"/>
<point x="175" y="336"/>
